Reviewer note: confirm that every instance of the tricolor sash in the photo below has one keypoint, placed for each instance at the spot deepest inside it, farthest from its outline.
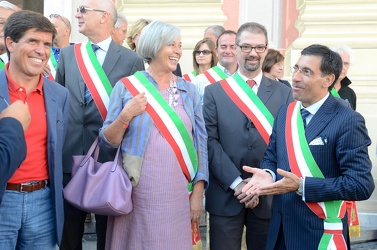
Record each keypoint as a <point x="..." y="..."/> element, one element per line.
<point x="168" y="123"/>
<point x="94" y="76"/>
<point x="250" y="104"/>
<point x="302" y="163"/>
<point x="2" y="65"/>
<point x="353" y="217"/>
<point x="189" y="76"/>
<point x="335" y="93"/>
<point x="53" y="65"/>
<point x="215" y="74"/>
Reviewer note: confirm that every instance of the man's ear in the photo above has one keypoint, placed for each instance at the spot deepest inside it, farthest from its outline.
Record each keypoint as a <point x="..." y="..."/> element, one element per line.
<point x="9" y="44"/>
<point x="329" y="79"/>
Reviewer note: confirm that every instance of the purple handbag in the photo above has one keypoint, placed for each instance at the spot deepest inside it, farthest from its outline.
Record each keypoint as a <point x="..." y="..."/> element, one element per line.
<point x="100" y="188"/>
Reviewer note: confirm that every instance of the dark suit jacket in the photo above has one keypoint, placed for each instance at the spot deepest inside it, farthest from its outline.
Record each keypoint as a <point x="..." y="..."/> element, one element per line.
<point x="233" y="142"/>
<point x="57" y="109"/>
<point x="85" y="122"/>
<point x="343" y="160"/>
<point x="12" y="149"/>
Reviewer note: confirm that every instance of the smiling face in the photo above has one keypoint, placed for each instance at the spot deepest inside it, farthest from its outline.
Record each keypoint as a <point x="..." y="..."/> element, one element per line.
<point x="251" y="62"/>
<point x="226" y="50"/>
<point x="309" y="85"/>
<point x="168" y="56"/>
<point x="29" y="55"/>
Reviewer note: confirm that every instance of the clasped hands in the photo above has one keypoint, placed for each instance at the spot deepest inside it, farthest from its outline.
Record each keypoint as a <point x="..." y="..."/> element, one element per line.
<point x="262" y="183"/>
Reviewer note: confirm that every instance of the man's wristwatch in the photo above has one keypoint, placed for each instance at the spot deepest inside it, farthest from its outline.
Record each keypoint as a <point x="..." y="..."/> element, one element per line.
<point x="300" y="187"/>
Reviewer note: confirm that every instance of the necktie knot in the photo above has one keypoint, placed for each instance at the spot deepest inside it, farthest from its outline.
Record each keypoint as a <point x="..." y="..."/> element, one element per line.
<point x="251" y="83"/>
<point x="95" y="47"/>
<point x="304" y="115"/>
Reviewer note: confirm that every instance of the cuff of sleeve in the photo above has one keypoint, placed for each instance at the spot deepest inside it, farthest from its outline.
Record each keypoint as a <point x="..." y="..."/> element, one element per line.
<point x="235" y="183"/>
<point x="272" y="174"/>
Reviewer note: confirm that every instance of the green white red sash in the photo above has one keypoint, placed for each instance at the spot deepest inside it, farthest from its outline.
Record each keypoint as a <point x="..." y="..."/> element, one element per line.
<point x="302" y="163"/>
<point x="167" y="122"/>
<point x="189" y="76"/>
<point x="94" y="76"/>
<point x="215" y="74"/>
<point x="250" y="104"/>
<point x="2" y="65"/>
<point x="53" y="65"/>
<point x="335" y="93"/>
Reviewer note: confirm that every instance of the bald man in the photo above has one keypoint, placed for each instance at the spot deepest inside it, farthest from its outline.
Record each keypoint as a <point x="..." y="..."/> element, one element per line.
<point x="96" y="19"/>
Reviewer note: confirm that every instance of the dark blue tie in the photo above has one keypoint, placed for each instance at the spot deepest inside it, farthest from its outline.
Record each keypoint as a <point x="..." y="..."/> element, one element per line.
<point x="87" y="95"/>
<point x="304" y="114"/>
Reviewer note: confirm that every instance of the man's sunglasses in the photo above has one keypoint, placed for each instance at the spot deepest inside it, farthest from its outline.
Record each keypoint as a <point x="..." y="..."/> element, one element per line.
<point x="83" y="9"/>
<point x="59" y="16"/>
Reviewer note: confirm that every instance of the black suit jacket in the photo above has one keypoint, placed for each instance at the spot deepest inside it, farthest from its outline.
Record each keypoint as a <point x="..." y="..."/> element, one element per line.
<point x="12" y="149"/>
<point x="233" y="141"/>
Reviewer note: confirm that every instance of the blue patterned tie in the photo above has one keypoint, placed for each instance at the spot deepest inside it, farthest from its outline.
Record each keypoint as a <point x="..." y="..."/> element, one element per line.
<point x="87" y="95"/>
<point x="304" y="114"/>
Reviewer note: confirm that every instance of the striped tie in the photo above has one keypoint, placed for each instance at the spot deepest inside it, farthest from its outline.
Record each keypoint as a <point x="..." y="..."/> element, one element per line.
<point x="87" y="95"/>
<point x="304" y="114"/>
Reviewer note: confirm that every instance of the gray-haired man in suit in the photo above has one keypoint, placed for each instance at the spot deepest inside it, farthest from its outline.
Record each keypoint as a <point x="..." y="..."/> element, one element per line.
<point x="77" y="71"/>
<point x="235" y="138"/>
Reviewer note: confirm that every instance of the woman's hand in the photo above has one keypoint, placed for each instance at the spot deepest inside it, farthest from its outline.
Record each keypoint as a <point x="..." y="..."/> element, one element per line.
<point x="196" y="201"/>
<point x="133" y="107"/>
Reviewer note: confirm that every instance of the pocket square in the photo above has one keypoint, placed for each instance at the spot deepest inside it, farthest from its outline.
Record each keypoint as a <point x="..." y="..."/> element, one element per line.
<point x="317" y="141"/>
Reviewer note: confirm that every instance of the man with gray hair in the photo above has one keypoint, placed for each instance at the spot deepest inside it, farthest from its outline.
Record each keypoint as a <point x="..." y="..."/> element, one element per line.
<point x="213" y="32"/>
<point x="343" y="82"/>
<point x="119" y="32"/>
<point x="6" y="9"/>
<point x="106" y="62"/>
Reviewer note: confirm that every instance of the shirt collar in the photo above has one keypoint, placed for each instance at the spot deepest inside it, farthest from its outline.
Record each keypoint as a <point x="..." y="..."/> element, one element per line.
<point x="105" y="44"/>
<point x="257" y="79"/>
<point x="225" y="70"/>
<point x="13" y="86"/>
<point x="315" y="107"/>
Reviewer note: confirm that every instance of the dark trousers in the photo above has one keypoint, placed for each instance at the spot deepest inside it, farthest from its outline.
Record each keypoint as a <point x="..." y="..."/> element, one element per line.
<point x="74" y="220"/>
<point x="225" y="232"/>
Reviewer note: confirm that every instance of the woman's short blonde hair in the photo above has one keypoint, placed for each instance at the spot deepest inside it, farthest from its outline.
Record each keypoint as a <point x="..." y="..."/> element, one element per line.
<point x="134" y="30"/>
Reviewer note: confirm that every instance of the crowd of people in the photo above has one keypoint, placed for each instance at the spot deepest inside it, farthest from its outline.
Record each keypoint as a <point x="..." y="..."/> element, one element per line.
<point x="274" y="158"/>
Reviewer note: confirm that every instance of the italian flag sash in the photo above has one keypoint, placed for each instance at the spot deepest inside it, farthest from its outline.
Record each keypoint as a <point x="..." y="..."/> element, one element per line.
<point x="53" y="66"/>
<point x="167" y="122"/>
<point x="94" y="76"/>
<point x="189" y="76"/>
<point x="250" y="104"/>
<point x="353" y="217"/>
<point x="302" y="163"/>
<point x="335" y="93"/>
<point x="2" y="65"/>
<point x="215" y="74"/>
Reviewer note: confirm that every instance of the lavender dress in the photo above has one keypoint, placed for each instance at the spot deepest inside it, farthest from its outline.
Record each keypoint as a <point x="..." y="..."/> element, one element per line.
<point x="161" y="215"/>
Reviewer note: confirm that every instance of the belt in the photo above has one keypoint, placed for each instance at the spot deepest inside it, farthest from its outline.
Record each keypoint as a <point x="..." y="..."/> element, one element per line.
<point x="27" y="187"/>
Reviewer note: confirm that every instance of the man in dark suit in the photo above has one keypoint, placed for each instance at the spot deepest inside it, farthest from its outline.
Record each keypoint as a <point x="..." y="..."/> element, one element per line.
<point x="235" y="138"/>
<point x="318" y="159"/>
<point x="14" y="120"/>
<point x="86" y="76"/>
<point x="31" y="210"/>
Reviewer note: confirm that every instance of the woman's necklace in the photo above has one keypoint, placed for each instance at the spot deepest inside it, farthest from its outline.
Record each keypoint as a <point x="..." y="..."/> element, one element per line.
<point x="173" y="92"/>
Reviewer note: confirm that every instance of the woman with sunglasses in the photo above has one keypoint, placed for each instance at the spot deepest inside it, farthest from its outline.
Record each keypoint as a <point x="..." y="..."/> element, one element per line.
<point x="204" y="56"/>
<point x="157" y="118"/>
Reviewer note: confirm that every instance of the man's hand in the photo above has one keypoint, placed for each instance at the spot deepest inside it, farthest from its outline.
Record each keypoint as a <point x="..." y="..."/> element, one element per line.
<point x="260" y="178"/>
<point x="289" y="183"/>
<point x="250" y="201"/>
<point x="19" y="111"/>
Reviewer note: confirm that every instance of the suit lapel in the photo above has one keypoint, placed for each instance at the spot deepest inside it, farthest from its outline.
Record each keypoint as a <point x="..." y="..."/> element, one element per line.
<point x="51" y="107"/>
<point x="112" y="57"/>
<point x="321" y="119"/>
<point x="264" y="90"/>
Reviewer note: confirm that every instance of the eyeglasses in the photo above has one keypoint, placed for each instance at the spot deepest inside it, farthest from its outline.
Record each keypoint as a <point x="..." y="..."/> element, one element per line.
<point x="83" y="9"/>
<point x="248" y="48"/>
<point x="59" y="16"/>
<point x="305" y="71"/>
<point x="204" y="52"/>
